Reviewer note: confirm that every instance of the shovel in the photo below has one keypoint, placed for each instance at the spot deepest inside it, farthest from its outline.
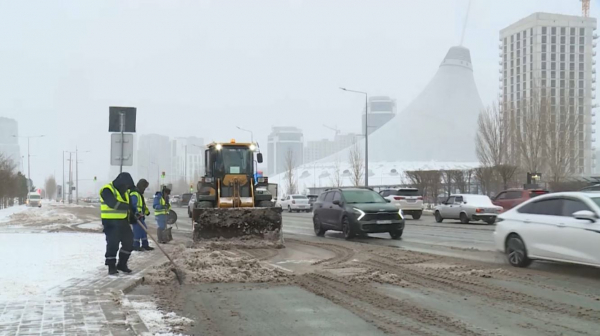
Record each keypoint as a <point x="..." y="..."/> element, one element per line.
<point x="178" y="273"/>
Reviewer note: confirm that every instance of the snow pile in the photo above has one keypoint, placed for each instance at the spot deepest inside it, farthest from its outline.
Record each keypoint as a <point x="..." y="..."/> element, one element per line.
<point x="7" y="212"/>
<point x="246" y="242"/>
<point x="380" y="277"/>
<point x="36" y="216"/>
<point x="206" y="266"/>
<point x="36" y="262"/>
<point x="158" y="322"/>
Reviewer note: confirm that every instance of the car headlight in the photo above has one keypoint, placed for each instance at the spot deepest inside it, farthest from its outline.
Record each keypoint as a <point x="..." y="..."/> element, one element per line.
<point x="360" y="213"/>
<point x="400" y="213"/>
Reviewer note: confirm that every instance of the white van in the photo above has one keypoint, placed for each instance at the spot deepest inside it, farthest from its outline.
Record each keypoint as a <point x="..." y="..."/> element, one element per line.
<point x="34" y="200"/>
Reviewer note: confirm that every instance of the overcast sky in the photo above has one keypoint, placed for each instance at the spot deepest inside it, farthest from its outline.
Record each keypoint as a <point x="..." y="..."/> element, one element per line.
<point x="201" y="67"/>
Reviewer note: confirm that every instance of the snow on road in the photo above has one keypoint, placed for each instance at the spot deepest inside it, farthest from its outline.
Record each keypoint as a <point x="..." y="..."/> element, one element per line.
<point x="40" y="261"/>
<point x="6" y="213"/>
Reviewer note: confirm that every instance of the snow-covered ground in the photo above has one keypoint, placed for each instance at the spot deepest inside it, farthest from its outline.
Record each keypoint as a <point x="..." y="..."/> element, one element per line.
<point x="36" y="262"/>
<point x="157" y="321"/>
<point x="7" y="212"/>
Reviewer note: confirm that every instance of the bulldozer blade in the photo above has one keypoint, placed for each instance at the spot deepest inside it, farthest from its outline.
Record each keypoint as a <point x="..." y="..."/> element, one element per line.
<point x="263" y="223"/>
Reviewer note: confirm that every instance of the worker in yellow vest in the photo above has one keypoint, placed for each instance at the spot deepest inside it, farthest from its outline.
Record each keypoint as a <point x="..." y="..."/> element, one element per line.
<point x="114" y="211"/>
<point x="161" y="212"/>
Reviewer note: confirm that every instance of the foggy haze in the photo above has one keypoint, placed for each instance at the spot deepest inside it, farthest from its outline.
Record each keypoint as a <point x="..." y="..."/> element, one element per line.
<point x="201" y="68"/>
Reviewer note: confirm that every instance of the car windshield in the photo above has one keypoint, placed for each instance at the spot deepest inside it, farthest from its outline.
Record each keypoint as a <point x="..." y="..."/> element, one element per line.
<point x="34" y="197"/>
<point x="362" y="196"/>
<point x="477" y="200"/>
<point x="596" y="200"/>
<point x="299" y="197"/>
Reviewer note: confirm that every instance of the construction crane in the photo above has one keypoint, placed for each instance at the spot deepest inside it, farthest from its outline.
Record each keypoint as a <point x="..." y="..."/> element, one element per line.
<point x="335" y="129"/>
<point x="585" y="8"/>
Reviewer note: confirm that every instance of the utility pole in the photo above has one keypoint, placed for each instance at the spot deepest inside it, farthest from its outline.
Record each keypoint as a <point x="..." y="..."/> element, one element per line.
<point x="70" y="178"/>
<point x="63" y="179"/>
<point x="28" y="157"/>
<point x="185" y="165"/>
<point x="366" y="133"/>
<point x="76" y="177"/>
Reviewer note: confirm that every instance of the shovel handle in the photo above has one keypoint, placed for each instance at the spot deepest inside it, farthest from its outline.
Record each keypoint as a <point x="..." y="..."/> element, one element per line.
<point x="157" y="244"/>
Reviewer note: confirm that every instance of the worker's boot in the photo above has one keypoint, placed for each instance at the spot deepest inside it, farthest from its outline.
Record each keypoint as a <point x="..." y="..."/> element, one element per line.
<point x="112" y="267"/>
<point x="122" y="264"/>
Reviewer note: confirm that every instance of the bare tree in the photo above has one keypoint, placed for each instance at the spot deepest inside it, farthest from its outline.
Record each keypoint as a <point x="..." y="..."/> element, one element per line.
<point x="493" y="136"/>
<point x="505" y="172"/>
<point x="528" y="119"/>
<point x="8" y="181"/>
<point x="434" y="181"/>
<point x="460" y="180"/>
<point x="290" y="179"/>
<point x="447" y="181"/>
<point x="336" y="178"/>
<point x="485" y="177"/>
<point x="563" y="127"/>
<point x="50" y="187"/>
<point x="416" y="179"/>
<point x="356" y="165"/>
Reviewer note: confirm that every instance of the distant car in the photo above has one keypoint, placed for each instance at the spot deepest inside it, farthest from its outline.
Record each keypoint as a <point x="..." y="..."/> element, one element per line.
<point x="295" y="203"/>
<point x="560" y="227"/>
<point x="175" y="200"/>
<point x="467" y="207"/>
<point x="185" y="199"/>
<point x="355" y="211"/>
<point x="191" y="203"/>
<point x="510" y="198"/>
<point x="34" y="200"/>
<point x="407" y="199"/>
<point x="312" y="199"/>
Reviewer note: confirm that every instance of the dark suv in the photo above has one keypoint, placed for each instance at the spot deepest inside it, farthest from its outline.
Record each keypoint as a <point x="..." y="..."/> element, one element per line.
<point x="355" y="211"/>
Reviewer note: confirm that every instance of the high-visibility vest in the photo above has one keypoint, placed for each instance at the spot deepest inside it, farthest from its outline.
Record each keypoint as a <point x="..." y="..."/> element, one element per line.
<point x="165" y="209"/>
<point x="107" y="212"/>
<point x="141" y="203"/>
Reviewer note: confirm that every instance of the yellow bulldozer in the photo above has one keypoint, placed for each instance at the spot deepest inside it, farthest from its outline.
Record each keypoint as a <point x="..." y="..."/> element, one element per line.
<point x="231" y="200"/>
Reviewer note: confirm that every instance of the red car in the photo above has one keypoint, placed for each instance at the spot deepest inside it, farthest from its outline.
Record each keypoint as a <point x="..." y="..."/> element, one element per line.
<point x="510" y="198"/>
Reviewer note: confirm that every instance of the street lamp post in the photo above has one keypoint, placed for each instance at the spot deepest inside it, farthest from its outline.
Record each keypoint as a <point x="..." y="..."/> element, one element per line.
<point x="28" y="156"/>
<point x="249" y="131"/>
<point x="157" y="176"/>
<point x="77" y="174"/>
<point x="366" y="133"/>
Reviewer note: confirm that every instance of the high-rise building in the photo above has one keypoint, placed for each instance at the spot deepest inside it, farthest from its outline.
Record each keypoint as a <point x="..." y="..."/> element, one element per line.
<point x="316" y="150"/>
<point x="550" y="57"/>
<point x="187" y="159"/>
<point x="285" y="145"/>
<point x="9" y="143"/>
<point x="153" y="157"/>
<point x="381" y="110"/>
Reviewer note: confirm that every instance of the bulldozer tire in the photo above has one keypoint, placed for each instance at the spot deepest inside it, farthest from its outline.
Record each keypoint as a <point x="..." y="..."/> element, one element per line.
<point x="265" y="204"/>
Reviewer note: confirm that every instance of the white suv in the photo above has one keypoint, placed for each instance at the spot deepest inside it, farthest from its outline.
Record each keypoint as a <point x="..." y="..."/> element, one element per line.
<point x="295" y="203"/>
<point x="408" y="200"/>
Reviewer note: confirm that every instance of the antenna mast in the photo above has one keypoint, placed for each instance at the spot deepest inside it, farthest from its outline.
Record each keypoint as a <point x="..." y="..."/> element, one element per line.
<point x="462" y="36"/>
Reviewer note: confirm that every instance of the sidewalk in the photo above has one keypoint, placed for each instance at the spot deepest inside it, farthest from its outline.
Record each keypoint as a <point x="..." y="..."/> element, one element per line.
<point x="89" y="306"/>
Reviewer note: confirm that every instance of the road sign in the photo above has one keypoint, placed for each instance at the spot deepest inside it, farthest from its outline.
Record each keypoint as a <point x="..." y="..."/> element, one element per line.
<point x="114" y="120"/>
<point x="115" y="149"/>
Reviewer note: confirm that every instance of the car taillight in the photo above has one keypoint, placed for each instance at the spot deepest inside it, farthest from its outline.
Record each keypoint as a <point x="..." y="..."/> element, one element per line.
<point x="293" y="202"/>
<point x="397" y="198"/>
<point x="479" y="210"/>
<point x="420" y="198"/>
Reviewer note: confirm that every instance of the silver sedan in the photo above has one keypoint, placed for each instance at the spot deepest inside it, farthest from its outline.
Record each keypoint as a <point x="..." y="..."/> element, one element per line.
<point x="467" y="207"/>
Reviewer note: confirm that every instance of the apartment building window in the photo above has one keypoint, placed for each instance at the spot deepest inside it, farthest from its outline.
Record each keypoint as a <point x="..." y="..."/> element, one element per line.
<point x="553" y="66"/>
<point x="543" y="38"/>
<point x="581" y="75"/>
<point x="562" y="67"/>
<point x="544" y="57"/>
<point x="580" y="57"/>
<point x="552" y="83"/>
<point x="572" y="31"/>
<point x="543" y="48"/>
<point x="563" y="30"/>
<point x="518" y="36"/>
<point x="580" y="83"/>
<point x="581" y="40"/>
<point x="553" y="57"/>
<point x="581" y="31"/>
<point x="553" y="30"/>
<point x="552" y="74"/>
<point x="525" y="34"/>
<point x="518" y="61"/>
<point x="512" y="38"/>
<point x="572" y="57"/>
<point x="562" y="75"/>
<point x="553" y="39"/>
<point x="562" y="57"/>
<point x="581" y="49"/>
<point x="543" y="65"/>
<point x="580" y="66"/>
<point x="553" y="48"/>
<point x="543" y="74"/>
<point x="543" y="30"/>
<point x="518" y="79"/>
<point x="524" y="69"/>
<point x="572" y="49"/>
<point x="572" y="39"/>
<point x="562" y="48"/>
<point x="524" y="59"/>
<point x="518" y="53"/>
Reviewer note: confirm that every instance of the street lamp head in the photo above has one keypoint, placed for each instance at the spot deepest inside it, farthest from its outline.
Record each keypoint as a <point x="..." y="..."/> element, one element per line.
<point x="341" y="88"/>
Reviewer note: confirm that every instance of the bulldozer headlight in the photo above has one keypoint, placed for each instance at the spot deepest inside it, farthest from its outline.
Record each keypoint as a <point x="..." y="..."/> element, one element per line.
<point x="208" y="179"/>
<point x="252" y="147"/>
<point x="219" y="146"/>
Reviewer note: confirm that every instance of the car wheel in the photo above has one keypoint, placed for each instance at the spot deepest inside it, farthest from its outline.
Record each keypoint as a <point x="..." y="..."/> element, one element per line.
<point x="189" y="213"/>
<point x="463" y="218"/>
<point x="347" y="228"/>
<point x="516" y="251"/>
<point x="417" y="215"/>
<point x="438" y="217"/>
<point x="319" y="231"/>
<point x="491" y="221"/>
<point x="289" y="209"/>
<point x="396" y="234"/>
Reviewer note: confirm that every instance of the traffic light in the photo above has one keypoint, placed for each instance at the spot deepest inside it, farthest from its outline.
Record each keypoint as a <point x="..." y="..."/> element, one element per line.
<point x="94" y="178"/>
<point x="163" y="175"/>
<point x="191" y="187"/>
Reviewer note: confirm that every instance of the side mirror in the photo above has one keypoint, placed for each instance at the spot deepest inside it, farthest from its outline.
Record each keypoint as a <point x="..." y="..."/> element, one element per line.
<point x="585" y="215"/>
<point x="283" y="199"/>
<point x="336" y="202"/>
<point x="259" y="158"/>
